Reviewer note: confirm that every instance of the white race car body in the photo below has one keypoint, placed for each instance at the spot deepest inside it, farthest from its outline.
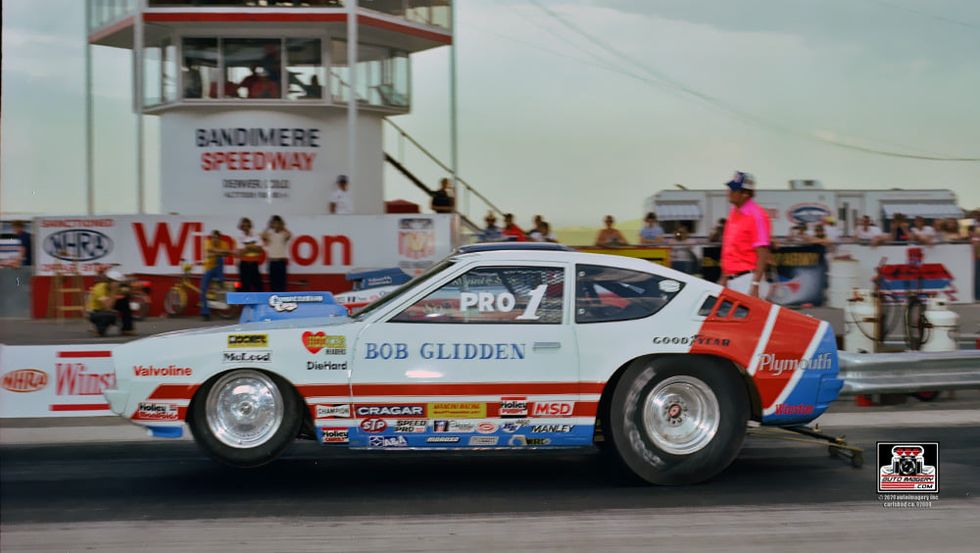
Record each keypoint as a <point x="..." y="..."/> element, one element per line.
<point x="455" y="359"/>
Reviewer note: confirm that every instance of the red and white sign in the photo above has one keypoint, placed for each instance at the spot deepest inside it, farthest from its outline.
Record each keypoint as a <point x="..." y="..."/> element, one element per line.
<point x="55" y="381"/>
<point x="320" y="244"/>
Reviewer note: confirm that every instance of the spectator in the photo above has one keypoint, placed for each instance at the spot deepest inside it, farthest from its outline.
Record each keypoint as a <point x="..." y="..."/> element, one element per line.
<point x="830" y="230"/>
<point x="442" y="200"/>
<point x="276" y="238"/>
<point x="610" y="236"/>
<point x="681" y="236"/>
<point x="975" y="240"/>
<point x="718" y="231"/>
<point x="491" y="233"/>
<point x="819" y="236"/>
<point x="542" y="233"/>
<point x="652" y="232"/>
<point x="512" y="231"/>
<point x="867" y="231"/>
<point x="341" y="202"/>
<point x="900" y="231"/>
<point x="108" y="303"/>
<point x="798" y="234"/>
<point x="214" y="268"/>
<point x="250" y="255"/>
<point x="950" y="230"/>
<point x="746" y="240"/>
<point x="535" y="223"/>
<point x="921" y="232"/>
<point x="26" y="255"/>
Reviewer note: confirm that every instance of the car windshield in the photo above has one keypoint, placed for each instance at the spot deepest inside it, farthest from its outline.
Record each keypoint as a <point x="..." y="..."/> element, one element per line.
<point x="404" y="288"/>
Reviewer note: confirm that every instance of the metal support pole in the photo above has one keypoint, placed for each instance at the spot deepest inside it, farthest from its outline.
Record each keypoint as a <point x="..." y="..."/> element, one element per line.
<point x="138" y="104"/>
<point x="89" y="119"/>
<point x="453" y="131"/>
<point x="352" y="97"/>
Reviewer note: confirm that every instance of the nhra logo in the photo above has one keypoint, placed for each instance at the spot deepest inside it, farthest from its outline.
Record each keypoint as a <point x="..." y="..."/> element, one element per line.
<point x="78" y="245"/>
<point x="908" y="467"/>
<point x="25" y="380"/>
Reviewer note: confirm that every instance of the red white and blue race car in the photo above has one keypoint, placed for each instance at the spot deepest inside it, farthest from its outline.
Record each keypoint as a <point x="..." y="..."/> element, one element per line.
<point x="498" y="346"/>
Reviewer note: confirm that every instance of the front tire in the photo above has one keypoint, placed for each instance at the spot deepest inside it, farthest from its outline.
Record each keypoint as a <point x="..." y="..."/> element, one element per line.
<point x="678" y="419"/>
<point x="245" y="418"/>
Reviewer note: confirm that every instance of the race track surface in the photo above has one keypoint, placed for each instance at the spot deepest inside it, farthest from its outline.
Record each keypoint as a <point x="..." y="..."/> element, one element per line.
<point x="167" y="496"/>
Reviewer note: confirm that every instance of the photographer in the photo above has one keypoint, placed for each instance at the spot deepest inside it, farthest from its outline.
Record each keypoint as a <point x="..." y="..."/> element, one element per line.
<point x="108" y="301"/>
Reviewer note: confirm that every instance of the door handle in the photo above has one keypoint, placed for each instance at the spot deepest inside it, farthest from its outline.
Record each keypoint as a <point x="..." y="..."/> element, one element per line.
<point x="546" y="345"/>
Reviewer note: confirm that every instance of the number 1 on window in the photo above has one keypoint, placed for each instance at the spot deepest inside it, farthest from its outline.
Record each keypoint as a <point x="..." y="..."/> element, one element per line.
<point x="531" y="311"/>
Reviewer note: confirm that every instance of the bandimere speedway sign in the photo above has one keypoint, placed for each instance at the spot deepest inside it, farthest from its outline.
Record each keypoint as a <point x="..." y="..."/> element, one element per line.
<point x="320" y="244"/>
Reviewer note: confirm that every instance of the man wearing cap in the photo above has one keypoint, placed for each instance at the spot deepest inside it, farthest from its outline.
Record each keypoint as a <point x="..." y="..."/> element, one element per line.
<point x="746" y="240"/>
<point x="341" y="202"/>
<point x="107" y="298"/>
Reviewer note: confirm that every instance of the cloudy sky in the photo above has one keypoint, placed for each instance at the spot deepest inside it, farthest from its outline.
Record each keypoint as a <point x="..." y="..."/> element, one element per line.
<point x="576" y="108"/>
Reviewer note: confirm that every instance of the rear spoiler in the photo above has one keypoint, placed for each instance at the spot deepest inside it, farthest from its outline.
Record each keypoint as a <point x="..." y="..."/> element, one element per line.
<point x="275" y="306"/>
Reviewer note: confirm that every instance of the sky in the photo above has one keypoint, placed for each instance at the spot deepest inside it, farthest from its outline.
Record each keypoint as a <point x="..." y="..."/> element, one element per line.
<point x="578" y="108"/>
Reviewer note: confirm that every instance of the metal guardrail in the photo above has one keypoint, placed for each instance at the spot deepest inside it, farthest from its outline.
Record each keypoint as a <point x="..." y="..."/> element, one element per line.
<point x="909" y="372"/>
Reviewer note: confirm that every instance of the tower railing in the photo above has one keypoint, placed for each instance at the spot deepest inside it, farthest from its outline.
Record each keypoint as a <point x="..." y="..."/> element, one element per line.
<point x="471" y="205"/>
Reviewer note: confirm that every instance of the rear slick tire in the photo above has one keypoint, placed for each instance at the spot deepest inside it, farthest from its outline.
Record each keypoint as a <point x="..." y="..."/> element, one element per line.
<point x="678" y="419"/>
<point x="245" y="418"/>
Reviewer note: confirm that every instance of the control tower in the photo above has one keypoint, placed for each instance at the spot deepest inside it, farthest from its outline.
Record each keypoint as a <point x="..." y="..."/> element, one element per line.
<point x="263" y="104"/>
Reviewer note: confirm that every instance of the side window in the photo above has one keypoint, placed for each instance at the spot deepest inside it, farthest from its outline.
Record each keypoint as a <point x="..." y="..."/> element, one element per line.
<point x="604" y="294"/>
<point x="490" y="295"/>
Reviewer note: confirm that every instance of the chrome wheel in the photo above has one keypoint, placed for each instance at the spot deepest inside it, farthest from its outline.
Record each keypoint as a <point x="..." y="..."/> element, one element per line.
<point x="244" y="409"/>
<point x="681" y="415"/>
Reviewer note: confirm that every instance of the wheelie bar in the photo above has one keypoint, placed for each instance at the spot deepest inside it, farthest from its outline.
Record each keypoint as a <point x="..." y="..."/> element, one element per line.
<point x="837" y="445"/>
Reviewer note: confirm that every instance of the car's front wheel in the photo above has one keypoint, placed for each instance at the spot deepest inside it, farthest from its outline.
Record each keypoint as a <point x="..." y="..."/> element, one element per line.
<point x="245" y="418"/>
<point x="679" y="419"/>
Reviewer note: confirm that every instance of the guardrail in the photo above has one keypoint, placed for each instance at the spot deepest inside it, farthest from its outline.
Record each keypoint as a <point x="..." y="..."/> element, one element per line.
<point x="909" y="372"/>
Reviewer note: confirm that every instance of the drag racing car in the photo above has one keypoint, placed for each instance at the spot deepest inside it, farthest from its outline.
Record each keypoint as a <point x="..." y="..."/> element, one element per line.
<point x="499" y="346"/>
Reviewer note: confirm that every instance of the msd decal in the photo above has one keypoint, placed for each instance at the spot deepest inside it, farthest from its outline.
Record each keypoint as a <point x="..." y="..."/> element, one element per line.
<point x="553" y="408"/>
<point x="25" y="380"/>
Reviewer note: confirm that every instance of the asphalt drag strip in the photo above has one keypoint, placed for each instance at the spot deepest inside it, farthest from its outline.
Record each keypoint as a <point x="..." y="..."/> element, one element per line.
<point x="128" y="496"/>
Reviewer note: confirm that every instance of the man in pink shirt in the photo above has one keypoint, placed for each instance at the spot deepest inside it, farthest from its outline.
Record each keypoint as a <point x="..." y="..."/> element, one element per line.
<point x="746" y="240"/>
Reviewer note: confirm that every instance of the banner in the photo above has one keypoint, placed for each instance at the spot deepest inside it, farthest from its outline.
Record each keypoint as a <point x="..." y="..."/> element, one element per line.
<point x="800" y="273"/>
<point x="320" y="244"/>
<point x="954" y="261"/>
<point x="55" y="381"/>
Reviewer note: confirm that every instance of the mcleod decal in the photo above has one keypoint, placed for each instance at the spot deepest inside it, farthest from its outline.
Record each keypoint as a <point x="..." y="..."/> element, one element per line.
<point x="25" y="380"/>
<point x="769" y="364"/>
<point x="458" y="410"/>
<point x="248" y="340"/>
<point x="169" y="370"/>
<point x="247" y="356"/>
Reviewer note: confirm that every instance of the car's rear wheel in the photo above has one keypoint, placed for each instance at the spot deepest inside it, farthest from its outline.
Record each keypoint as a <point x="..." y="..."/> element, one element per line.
<point x="679" y="419"/>
<point x="245" y="418"/>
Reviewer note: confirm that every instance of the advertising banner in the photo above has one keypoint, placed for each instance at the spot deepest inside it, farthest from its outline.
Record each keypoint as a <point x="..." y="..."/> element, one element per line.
<point x="800" y="273"/>
<point x="55" y="381"/>
<point x="320" y="244"/>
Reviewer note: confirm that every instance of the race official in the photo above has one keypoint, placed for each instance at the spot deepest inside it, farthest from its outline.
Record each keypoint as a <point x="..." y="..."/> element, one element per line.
<point x="746" y="240"/>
